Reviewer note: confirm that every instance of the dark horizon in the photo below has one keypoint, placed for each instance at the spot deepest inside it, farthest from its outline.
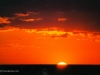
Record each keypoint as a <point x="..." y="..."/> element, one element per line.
<point x="52" y="69"/>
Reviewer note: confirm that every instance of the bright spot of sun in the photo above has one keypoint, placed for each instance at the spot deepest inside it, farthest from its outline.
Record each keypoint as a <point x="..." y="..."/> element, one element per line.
<point x="61" y="65"/>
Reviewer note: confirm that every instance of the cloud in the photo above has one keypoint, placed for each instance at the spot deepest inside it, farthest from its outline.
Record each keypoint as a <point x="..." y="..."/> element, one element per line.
<point x="56" y="33"/>
<point x="17" y="6"/>
<point x="79" y="36"/>
<point x="35" y="13"/>
<point x="65" y="20"/>
<point x="21" y="15"/>
<point x="28" y="20"/>
<point x="62" y="19"/>
<point x="31" y="19"/>
<point x="4" y="20"/>
<point x="26" y="14"/>
<point x="39" y="19"/>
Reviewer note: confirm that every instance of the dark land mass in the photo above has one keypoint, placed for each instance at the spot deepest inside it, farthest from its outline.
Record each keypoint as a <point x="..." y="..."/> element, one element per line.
<point x="49" y="70"/>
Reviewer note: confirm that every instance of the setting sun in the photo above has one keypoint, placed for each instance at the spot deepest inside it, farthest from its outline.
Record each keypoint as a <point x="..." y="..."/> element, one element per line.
<point x="61" y="65"/>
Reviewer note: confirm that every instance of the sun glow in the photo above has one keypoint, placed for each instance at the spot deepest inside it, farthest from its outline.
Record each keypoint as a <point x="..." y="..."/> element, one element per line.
<point x="34" y="44"/>
<point x="61" y="65"/>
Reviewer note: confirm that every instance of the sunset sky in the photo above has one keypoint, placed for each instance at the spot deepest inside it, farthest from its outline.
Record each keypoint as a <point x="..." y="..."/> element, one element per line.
<point x="49" y="31"/>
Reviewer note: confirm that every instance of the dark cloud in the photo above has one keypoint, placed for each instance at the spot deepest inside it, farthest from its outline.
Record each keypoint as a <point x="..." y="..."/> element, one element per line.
<point x="68" y="21"/>
<point x="9" y="7"/>
<point x="4" y="20"/>
<point x="81" y="14"/>
<point x="2" y="25"/>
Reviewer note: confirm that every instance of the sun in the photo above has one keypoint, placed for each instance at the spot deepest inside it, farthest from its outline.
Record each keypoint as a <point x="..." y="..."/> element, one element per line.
<point x="61" y="65"/>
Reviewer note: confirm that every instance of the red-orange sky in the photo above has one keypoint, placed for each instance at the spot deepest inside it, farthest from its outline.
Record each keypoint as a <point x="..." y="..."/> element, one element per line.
<point x="49" y="31"/>
<point x="48" y="46"/>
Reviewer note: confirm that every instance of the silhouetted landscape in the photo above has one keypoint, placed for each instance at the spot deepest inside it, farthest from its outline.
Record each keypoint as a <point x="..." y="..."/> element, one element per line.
<point x="51" y="70"/>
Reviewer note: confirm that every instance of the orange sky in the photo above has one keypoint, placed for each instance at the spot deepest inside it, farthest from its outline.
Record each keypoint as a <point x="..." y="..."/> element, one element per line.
<point x="49" y="31"/>
<point x="48" y="46"/>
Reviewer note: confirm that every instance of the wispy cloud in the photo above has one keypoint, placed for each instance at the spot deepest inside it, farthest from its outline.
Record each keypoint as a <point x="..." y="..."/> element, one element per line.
<point x="31" y="19"/>
<point x="33" y="13"/>
<point x="21" y="15"/>
<point x="27" y="14"/>
<point x="28" y="20"/>
<point x="4" y="20"/>
<point x="62" y="19"/>
<point x="57" y="33"/>
<point x="39" y="19"/>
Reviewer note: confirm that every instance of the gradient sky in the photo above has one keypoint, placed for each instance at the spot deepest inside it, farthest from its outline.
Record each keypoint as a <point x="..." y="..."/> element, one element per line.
<point x="49" y="31"/>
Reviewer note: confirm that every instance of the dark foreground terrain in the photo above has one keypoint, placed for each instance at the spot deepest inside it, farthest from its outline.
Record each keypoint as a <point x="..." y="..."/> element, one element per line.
<point x="49" y="70"/>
